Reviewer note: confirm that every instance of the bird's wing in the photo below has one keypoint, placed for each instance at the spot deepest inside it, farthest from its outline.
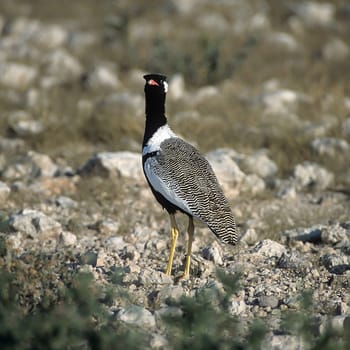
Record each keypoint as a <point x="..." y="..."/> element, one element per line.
<point x="185" y="178"/>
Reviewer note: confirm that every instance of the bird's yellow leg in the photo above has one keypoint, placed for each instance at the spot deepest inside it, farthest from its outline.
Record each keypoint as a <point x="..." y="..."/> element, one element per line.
<point x="190" y="232"/>
<point x="174" y="235"/>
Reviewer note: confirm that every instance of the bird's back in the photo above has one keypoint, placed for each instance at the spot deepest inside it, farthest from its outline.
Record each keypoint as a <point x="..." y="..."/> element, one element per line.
<point x="187" y="176"/>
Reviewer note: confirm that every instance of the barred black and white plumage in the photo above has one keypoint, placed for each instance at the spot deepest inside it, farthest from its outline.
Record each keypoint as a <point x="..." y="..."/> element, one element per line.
<point x="192" y="186"/>
<point x="180" y="178"/>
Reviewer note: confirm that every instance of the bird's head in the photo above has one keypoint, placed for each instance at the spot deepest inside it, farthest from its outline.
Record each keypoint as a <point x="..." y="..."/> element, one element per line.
<point x="156" y="84"/>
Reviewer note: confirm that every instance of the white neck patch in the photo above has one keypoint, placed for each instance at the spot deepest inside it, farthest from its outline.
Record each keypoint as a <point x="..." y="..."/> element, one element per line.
<point x="165" y="84"/>
<point x="153" y="144"/>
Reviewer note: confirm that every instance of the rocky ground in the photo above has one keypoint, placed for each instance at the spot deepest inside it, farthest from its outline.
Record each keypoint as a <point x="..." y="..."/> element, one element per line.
<point x="72" y="188"/>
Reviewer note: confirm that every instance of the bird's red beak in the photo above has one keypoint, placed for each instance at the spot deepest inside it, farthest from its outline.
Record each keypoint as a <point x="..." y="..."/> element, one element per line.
<point x="153" y="82"/>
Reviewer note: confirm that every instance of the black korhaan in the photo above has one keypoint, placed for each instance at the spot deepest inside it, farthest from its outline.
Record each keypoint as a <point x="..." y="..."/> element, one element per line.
<point x="180" y="178"/>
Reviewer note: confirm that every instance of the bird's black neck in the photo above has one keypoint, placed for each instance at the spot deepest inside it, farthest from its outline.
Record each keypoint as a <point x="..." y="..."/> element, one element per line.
<point x="155" y="116"/>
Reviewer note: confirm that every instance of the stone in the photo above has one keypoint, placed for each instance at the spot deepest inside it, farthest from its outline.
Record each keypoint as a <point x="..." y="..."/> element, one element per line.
<point x="108" y="226"/>
<point x="103" y="77"/>
<point x="268" y="301"/>
<point x="284" y="40"/>
<point x="176" y="87"/>
<point x="213" y="253"/>
<point x="237" y="307"/>
<point x="16" y="75"/>
<point x="250" y="236"/>
<point x="62" y="65"/>
<point x="50" y="36"/>
<point x="115" y="243"/>
<point x="334" y="234"/>
<point x="311" y="234"/>
<point x="111" y="164"/>
<point x="225" y="167"/>
<point x="311" y="175"/>
<point x="170" y="293"/>
<point x="66" y="202"/>
<point x="336" y="263"/>
<point x="252" y="183"/>
<point x="285" y="342"/>
<point x="22" y="124"/>
<point x="258" y="163"/>
<point x="149" y="277"/>
<point x="330" y="146"/>
<point x="35" y="224"/>
<point x="346" y="127"/>
<point x="67" y="238"/>
<point x="4" y="192"/>
<point x="41" y="165"/>
<point x="336" y="50"/>
<point x="281" y="101"/>
<point x="314" y="13"/>
<point x="7" y="144"/>
<point x="269" y="248"/>
<point x="137" y="315"/>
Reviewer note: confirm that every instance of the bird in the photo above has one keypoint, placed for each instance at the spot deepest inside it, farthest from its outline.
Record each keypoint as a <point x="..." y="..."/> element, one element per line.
<point x="180" y="177"/>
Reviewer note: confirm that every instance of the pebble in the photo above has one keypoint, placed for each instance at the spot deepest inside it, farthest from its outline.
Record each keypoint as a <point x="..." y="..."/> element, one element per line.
<point x="35" y="224"/>
<point x="311" y="175"/>
<point x="149" y="277"/>
<point x="268" y="301"/>
<point x="258" y="163"/>
<point x="16" y="75"/>
<point x="330" y="146"/>
<point x="4" y="191"/>
<point x="269" y="248"/>
<point x="224" y="166"/>
<point x="137" y="315"/>
<point x="103" y="77"/>
<point x="110" y="164"/>
<point x="213" y="253"/>
<point x="67" y="238"/>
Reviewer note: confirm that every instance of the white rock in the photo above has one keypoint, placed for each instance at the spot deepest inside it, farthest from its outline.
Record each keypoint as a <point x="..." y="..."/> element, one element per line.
<point x="176" y="87"/>
<point x="346" y="127"/>
<point x="4" y="192"/>
<point x="281" y="101"/>
<point x="205" y="93"/>
<point x="115" y="243"/>
<point x="284" y="40"/>
<point x="224" y="166"/>
<point x="41" y="164"/>
<point x="23" y="124"/>
<point x="258" y="163"/>
<point x="315" y="13"/>
<point x="108" y="164"/>
<point x="284" y="342"/>
<point x="334" y="234"/>
<point x="237" y="307"/>
<point x="103" y="77"/>
<point x="18" y="76"/>
<point x="252" y="183"/>
<point x="250" y="236"/>
<point x="311" y="175"/>
<point x="50" y="36"/>
<point x="137" y="315"/>
<point x="149" y="277"/>
<point x="62" y="65"/>
<point x="34" y="223"/>
<point x="108" y="226"/>
<point x="269" y="248"/>
<point x="213" y="253"/>
<point x="67" y="238"/>
<point x="336" y="50"/>
<point x="330" y="146"/>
